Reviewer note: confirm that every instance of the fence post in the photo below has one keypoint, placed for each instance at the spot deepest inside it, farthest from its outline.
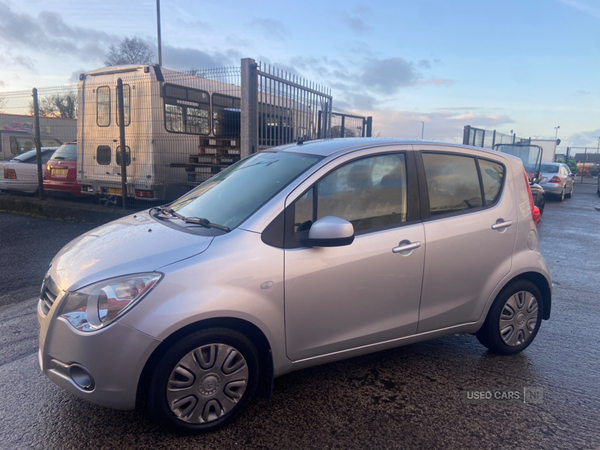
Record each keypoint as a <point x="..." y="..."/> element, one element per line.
<point x="369" y="126"/>
<point x="466" y="135"/>
<point x="38" y="143"/>
<point x="342" y="134"/>
<point x="121" y="108"/>
<point x="584" y="161"/>
<point x="249" y="119"/>
<point x="320" y="118"/>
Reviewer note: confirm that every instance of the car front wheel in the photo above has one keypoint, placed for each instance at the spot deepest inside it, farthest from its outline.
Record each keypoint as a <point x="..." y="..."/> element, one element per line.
<point x="570" y="194"/>
<point x="204" y="381"/>
<point x="513" y="320"/>
<point x="561" y="196"/>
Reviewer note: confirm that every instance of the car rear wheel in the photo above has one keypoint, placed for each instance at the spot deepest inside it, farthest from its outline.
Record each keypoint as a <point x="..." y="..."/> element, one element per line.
<point x="570" y="194"/>
<point x="513" y="320"/>
<point x="561" y="196"/>
<point x="204" y="381"/>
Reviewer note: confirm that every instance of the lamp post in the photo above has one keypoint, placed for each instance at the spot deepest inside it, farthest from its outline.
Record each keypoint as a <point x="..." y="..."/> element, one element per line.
<point x="556" y="132"/>
<point x="422" y="129"/>
<point x="158" y="32"/>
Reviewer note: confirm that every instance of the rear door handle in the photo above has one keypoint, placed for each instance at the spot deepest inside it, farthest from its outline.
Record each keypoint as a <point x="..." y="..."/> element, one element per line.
<point x="406" y="246"/>
<point x="501" y="225"/>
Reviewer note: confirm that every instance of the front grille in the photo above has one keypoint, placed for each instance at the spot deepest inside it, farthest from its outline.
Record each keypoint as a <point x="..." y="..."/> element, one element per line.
<point x="48" y="295"/>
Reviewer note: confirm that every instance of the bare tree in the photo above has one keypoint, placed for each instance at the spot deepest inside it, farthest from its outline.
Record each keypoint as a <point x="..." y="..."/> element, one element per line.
<point x="57" y="105"/>
<point x="129" y="51"/>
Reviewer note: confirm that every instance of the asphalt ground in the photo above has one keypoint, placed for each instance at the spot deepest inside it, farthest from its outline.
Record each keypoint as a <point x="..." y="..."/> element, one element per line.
<point x="416" y="396"/>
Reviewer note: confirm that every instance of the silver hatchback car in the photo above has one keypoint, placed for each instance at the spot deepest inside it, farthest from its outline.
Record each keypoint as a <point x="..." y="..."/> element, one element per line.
<point x="290" y="258"/>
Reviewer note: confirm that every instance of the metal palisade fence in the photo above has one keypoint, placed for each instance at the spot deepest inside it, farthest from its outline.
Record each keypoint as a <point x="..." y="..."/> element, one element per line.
<point x="478" y="137"/>
<point x="172" y="130"/>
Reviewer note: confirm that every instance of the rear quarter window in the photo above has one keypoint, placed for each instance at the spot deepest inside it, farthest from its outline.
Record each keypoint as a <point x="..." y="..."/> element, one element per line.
<point x="492" y="178"/>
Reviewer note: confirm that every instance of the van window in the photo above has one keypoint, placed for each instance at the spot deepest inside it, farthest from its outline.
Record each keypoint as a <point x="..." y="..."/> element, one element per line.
<point x="369" y="193"/>
<point x="226" y="115"/>
<point x="126" y="106"/>
<point x="127" y="155"/>
<point x="452" y="183"/>
<point x="186" y="110"/>
<point x="103" y="106"/>
<point x="103" y="155"/>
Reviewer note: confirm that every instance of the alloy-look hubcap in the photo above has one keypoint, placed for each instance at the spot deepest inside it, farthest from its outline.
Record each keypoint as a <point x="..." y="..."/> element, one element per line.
<point x="519" y="318"/>
<point x="207" y="383"/>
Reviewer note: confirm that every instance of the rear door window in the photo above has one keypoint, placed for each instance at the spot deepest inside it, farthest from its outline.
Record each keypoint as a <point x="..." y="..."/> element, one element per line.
<point x="452" y="183"/>
<point x="103" y="155"/>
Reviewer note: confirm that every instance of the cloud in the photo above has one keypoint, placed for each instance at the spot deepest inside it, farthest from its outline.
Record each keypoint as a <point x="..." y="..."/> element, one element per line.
<point x="2" y="83"/>
<point x="48" y="32"/>
<point x="439" y="126"/>
<point x="584" y="139"/>
<point x="183" y="58"/>
<point x="355" y="23"/>
<point x="271" y="27"/>
<point x="386" y="76"/>
<point x="424" y="64"/>
<point x="582" y="92"/>
<point x="74" y="78"/>
<point x="438" y="81"/>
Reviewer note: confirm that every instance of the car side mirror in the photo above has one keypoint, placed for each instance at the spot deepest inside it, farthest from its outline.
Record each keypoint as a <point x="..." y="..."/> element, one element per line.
<point x="330" y="231"/>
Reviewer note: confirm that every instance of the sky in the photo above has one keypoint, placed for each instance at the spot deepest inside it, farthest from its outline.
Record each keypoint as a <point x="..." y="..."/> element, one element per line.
<point x="522" y="65"/>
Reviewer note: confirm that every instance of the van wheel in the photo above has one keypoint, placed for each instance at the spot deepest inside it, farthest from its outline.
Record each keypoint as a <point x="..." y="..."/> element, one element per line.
<point x="112" y="201"/>
<point x="203" y="381"/>
<point x="513" y="320"/>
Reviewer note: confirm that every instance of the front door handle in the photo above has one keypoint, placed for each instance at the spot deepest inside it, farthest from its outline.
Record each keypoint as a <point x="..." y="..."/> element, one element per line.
<point x="406" y="247"/>
<point x="501" y="225"/>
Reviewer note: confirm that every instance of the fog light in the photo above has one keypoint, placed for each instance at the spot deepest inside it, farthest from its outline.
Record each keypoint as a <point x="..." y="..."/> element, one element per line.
<point x="81" y="377"/>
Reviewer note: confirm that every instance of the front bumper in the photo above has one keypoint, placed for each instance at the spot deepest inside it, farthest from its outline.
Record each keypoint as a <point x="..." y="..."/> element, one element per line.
<point x="114" y="357"/>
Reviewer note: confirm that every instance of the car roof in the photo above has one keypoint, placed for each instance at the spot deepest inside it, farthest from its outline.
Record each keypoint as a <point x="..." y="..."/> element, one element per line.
<point x="327" y="147"/>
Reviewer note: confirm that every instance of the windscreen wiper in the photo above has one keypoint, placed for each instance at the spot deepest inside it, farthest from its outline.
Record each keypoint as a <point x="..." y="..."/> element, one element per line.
<point x="195" y="220"/>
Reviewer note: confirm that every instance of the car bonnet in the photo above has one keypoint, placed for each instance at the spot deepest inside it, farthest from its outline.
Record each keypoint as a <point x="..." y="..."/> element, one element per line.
<point x="133" y="244"/>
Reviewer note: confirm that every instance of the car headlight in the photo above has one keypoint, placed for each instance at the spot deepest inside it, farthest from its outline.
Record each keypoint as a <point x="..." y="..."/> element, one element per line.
<point x="99" y="304"/>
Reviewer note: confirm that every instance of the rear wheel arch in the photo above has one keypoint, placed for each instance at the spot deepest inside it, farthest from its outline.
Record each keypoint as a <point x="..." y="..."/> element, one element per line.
<point x="248" y="329"/>
<point x="542" y="284"/>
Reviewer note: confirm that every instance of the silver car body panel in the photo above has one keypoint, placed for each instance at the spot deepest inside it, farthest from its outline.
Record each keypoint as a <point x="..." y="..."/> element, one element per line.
<point x="132" y="244"/>
<point x="313" y="305"/>
<point x="566" y="182"/>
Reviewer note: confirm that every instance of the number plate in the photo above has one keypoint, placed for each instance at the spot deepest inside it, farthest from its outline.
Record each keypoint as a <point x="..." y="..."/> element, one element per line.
<point x="59" y="172"/>
<point x="113" y="191"/>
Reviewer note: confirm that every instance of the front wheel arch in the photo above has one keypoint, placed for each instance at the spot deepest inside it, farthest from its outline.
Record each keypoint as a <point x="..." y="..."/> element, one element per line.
<point x="251" y="331"/>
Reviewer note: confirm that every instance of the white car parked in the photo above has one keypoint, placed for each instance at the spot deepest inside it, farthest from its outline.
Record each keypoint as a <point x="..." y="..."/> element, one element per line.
<point x="20" y="173"/>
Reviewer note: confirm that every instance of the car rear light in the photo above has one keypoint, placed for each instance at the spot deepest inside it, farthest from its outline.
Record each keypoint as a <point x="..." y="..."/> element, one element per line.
<point x="144" y="194"/>
<point x="10" y="174"/>
<point x="554" y="179"/>
<point x="535" y="211"/>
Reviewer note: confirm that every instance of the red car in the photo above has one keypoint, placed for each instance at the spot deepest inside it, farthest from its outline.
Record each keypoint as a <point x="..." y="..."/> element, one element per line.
<point x="60" y="173"/>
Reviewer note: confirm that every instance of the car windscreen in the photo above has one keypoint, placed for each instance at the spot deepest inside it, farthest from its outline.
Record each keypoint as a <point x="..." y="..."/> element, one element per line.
<point x="549" y="168"/>
<point x="66" y="152"/>
<point x="233" y="195"/>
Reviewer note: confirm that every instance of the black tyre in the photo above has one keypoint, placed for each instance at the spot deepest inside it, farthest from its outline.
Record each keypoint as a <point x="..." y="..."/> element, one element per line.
<point x="203" y="381"/>
<point x="561" y="196"/>
<point x="542" y="204"/>
<point x="513" y="320"/>
<point x="570" y="194"/>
